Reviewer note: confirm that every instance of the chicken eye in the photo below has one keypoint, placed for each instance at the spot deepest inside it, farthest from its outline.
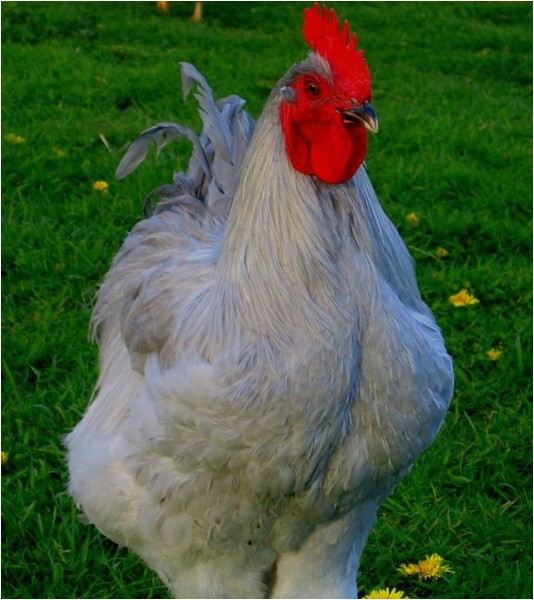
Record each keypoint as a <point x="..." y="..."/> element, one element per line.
<point x="312" y="88"/>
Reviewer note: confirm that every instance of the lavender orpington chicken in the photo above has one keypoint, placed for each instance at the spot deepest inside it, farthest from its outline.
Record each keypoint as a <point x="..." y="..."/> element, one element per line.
<point x="268" y="370"/>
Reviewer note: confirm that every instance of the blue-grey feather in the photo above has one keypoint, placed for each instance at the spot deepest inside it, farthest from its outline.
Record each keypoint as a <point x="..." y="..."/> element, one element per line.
<point x="160" y="135"/>
<point x="269" y="371"/>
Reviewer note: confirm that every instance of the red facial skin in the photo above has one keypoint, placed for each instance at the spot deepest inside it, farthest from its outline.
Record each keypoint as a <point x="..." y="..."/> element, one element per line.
<point x="318" y="141"/>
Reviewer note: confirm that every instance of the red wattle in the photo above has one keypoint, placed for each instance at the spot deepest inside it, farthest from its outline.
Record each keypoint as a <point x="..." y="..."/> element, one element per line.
<point x="330" y="150"/>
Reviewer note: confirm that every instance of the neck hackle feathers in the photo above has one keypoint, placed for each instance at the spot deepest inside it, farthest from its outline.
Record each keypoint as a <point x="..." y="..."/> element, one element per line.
<point x="336" y="45"/>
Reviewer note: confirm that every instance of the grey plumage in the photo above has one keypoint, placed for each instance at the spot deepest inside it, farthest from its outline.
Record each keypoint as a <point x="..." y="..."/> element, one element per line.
<point x="218" y="154"/>
<point x="268" y="370"/>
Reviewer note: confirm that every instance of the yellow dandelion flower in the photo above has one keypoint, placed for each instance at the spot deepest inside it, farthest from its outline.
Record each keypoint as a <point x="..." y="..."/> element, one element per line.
<point x="14" y="138"/>
<point x="494" y="353"/>
<point x="101" y="186"/>
<point x="386" y="593"/>
<point x="4" y="457"/>
<point x="441" y="252"/>
<point x="412" y="218"/>
<point x="463" y="298"/>
<point x="433" y="567"/>
<point x="163" y="6"/>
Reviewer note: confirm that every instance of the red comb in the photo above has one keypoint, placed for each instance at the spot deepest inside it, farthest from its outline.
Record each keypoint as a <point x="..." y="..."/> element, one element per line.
<point x="337" y="46"/>
<point x="321" y="32"/>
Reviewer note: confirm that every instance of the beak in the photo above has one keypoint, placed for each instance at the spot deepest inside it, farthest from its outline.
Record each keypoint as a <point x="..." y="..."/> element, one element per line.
<point x="363" y="115"/>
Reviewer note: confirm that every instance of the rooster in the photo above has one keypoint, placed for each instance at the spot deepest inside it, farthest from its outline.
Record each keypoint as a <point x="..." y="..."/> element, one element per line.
<point x="268" y="370"/>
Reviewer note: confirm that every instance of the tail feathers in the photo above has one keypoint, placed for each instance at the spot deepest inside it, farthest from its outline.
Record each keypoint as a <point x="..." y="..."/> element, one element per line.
<point x="218" y="190"/>
<point x="215" y="164"/>
<point x="215" y="127"/>
<point x="161" y="135"/>
<point x="241" y="126"/>
<point x="227" y="130"/>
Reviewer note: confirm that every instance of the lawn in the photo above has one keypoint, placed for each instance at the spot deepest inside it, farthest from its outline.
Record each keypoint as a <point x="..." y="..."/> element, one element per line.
<point x="453" y="88"/>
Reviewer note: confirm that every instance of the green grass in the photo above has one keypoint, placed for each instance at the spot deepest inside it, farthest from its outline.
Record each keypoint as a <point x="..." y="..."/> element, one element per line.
<point x="452" y="84"/>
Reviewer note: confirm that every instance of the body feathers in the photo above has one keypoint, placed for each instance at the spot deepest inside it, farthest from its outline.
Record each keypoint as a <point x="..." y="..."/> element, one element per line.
<point x="269" y="371"/>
